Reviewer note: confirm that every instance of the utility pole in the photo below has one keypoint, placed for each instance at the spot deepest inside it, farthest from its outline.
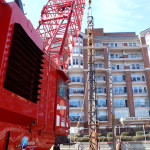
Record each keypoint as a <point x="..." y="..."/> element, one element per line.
<point x="111" y="99"/>
<point x="92" y="110"/>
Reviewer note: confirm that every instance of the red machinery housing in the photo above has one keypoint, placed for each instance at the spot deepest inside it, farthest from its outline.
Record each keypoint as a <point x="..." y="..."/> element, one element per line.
<point x="33" y="88"/>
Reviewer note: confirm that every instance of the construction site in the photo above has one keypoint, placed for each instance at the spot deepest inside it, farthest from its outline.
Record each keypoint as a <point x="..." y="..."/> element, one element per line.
<point x="70" y="90"/>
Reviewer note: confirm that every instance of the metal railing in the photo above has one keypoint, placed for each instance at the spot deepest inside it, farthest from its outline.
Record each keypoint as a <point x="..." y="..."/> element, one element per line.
<point x="101" y="105"/>
<point x="141" y="104"/>
<point x="76" y="91"/>
<point x="102" y="118"/>
<point x="76" y="118"/>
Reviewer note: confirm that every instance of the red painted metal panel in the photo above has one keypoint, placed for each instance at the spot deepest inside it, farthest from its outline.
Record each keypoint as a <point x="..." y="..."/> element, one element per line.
<point x="37" y="120"/>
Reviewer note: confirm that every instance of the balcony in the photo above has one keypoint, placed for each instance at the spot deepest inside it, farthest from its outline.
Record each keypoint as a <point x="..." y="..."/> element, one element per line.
<point x="76" y="92"/>
<point x="135" y="56"/>
<point x="117" y="68"/>
<point x="76" y="83"/>
<point x="137" y="67"/>
<point x="75" y="104"/>
<point x="128" y="58"/>
<point x="75" y="68"/>
<point x="99" y="56"/>
<point x="102" y="106"/>
<point x="116" y="58"/>
<point x="141" y="104"/>
<point x="119" y="93"/>
<point x="75" y="119"/>
<point x="102" y="118"/>
<point x="125" y="48"/>
<point x="99" y="67"/>
<point x="120" y="106"/>
<point x="101" y="91"/>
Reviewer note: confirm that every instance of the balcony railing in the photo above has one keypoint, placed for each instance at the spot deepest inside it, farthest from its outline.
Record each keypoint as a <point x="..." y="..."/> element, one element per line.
<point x="120" y="106"/>
<point x="142" y="92"/>
<point x="99" y="54"/>
<point x="141" y="104"/>
<point x="76" y="91"/>
<point x="101" y="90"/>
<point x="75" y="105"/>
<point x="75" y="118"/>
<point x="102" y="118"/>
<point x="99" y="65"/>
<point x="102" y="105"/>
<point x="135" y="56"/>
<point x="118" y="80"/>
<point x="119" y="67"/>
<point x="119" y="93"/>
<point x="137" y="67"/>
<point x="118" y="57"/>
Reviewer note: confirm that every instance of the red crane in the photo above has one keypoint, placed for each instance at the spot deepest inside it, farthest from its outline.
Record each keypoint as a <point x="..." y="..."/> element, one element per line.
<point x="33" y="86"/>
<point x="60" y="22"/>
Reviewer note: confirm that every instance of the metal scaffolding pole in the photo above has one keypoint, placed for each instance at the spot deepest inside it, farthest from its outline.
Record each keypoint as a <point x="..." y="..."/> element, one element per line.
<point x="92" y="110"/>
<point x="111" y="99"/>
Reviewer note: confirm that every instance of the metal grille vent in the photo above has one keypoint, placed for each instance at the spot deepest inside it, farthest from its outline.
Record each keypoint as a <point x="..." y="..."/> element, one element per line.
<point x="24" y="66"/>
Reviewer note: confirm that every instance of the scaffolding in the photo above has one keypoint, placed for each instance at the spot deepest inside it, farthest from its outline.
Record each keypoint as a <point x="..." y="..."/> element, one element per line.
<point x="92" y="110"/>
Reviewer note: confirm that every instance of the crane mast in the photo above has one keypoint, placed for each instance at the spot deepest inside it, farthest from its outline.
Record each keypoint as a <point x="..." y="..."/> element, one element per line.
<point x="92" y="111"/>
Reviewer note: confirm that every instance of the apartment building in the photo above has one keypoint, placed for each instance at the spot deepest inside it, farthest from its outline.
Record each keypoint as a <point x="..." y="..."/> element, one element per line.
<point x="130" y="73"/>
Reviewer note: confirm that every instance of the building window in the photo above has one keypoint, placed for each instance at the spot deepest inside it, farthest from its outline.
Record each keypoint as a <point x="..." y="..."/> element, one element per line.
<point x="75" y="61"/>
<point x="141" y="103"/>
<point x="98" y="44"/>
<point x="113" y="67"/>
<point x="81" y="41"/>
<point x="102" y="115"/>
<point x="137" y="66"/>
<point x="73" y="79"/>
<point x="139" y="90"/>
<point x="76" y="90"/>
<point x="81" y="51"/>
<point x="118" y="78"/>
<point x="120" y="90"/>
<point x="81" y="62"/>
<point x="119" y="103"/>
<point x="136" y="77"/>
<point x="112" y="56"/>
<point x="134" y="44"/>
<point x="99" y="65"/>
<point x="100" y="78"/>
<point x="102" y="103"/>
<point x="62" y="88"/>
<point x="112" y="44"/>
<point x="121" y="113"/>
<point x="141" y="112"/>
<point x="69" y="62"/>
<point x="78" y="79"/>
<point x="75" y="50"/>
<point x="100" y="90"/>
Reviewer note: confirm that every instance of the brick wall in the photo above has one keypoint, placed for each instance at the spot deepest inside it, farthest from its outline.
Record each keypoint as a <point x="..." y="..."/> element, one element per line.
<point x="107" y="88"/>
<point x="97" y="32"/>
<point x="129" y="92"/>
<point x="146" y="64"/>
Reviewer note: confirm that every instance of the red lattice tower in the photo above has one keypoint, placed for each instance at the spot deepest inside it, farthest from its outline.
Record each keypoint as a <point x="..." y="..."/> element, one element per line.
<point x="59" y="26"/>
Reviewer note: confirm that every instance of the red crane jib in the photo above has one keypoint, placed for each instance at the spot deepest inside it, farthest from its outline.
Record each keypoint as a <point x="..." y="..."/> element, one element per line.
<point x="34" y="105"/>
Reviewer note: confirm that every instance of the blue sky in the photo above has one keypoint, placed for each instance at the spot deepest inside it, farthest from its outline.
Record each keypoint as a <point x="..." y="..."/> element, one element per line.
<point x="112" y="15"/>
